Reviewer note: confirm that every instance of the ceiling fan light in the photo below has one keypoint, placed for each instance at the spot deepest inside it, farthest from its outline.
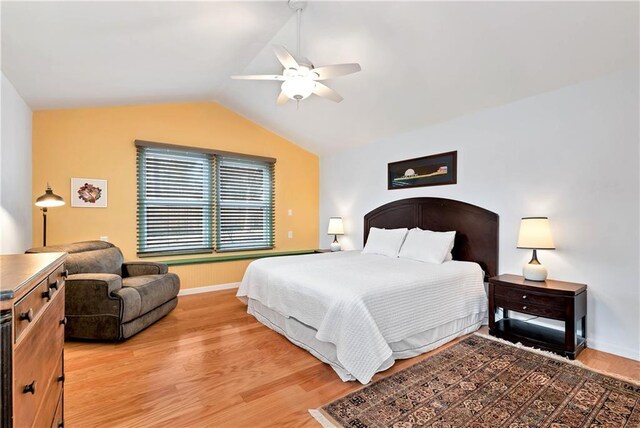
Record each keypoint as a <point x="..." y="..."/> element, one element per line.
<point x="298" y="88"/>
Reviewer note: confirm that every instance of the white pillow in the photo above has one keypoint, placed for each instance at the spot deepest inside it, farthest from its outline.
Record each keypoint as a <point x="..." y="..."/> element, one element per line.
<point x="384" y="241"/>
<point x="449" y="256"/>
<point x="427" y="246"/>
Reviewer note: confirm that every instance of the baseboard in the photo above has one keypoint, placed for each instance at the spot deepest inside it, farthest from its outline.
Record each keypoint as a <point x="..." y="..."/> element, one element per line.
<point x="613" y="349"/>
<point x="208" y="288"/>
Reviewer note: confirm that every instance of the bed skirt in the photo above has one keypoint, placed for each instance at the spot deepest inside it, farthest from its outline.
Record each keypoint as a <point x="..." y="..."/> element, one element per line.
<point x="304" y="336"/>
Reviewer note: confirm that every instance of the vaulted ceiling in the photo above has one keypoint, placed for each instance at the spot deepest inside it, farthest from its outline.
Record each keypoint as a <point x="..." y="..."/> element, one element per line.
<point x="422" y="62"/>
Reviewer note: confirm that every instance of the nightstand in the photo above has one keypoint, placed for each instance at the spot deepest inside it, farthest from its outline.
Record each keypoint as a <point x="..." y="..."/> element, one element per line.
<point x="558" y="300"/>
<point x="322" y="250"/>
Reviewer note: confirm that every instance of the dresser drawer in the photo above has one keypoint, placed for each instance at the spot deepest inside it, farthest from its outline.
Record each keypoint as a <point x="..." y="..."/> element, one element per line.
<point x="528" y="308"/>
<point x="38" y="362"/>
<point x="526" y="297"/>
<point x="30" y="306"/>
<point x="57" y="277"/>
<point x="47" y="412"/>
<point x="58" y="418"/>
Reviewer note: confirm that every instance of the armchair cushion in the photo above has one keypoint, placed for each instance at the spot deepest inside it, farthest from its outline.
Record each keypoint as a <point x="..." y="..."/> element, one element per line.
<point x="145" y="293"/>
<point x="143" y="268"/>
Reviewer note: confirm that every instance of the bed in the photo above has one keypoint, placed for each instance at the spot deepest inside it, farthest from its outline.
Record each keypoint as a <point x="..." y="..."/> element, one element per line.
<point x="360" y="312"/>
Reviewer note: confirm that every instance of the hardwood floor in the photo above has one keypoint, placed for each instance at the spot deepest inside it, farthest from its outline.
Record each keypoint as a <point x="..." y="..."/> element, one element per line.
<point x="210" y="364"/>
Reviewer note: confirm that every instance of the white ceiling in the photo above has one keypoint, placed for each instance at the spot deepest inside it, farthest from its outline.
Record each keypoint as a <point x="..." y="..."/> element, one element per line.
<point x="422" y="63"/>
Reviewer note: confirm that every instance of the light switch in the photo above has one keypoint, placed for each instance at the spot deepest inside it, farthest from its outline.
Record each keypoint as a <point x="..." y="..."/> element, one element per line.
<point x="289" y="212"/>
<point x="290" y="234"/>
<point x="104" y="238"/>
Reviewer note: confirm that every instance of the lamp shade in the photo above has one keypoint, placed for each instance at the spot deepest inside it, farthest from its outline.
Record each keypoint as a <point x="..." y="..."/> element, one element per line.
<point x="535" y="233"/>
<point x="335" y="226"/>
<point x="49" y="199"/>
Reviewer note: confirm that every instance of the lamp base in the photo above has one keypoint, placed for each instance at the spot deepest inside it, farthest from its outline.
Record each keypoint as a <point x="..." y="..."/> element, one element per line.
<point x="335" y="246"/>
<point x="534" y="272"/>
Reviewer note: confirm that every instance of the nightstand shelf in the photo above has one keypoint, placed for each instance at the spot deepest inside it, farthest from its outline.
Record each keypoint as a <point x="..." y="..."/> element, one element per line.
<point x="534" y="335"/>
<point x="557" y="300"/>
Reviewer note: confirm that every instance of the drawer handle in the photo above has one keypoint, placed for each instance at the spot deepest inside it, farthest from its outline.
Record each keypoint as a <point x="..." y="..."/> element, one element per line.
<point x="63" y="321"/>
<point x="524" y="308"/>
<point x="64" y="273"/>
<point x="55" y="285"/>
<point x="31" y="388"/>
<point x="48" y="294"/>
<point x="27" y="315"/>
<point x="61" y="378"/>
<point x="524" y="297"/>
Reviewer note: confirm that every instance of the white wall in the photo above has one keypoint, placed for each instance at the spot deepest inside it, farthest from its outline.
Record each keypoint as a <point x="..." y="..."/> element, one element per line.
<point x="15" y="171"/>
<point x="571" y="155"/>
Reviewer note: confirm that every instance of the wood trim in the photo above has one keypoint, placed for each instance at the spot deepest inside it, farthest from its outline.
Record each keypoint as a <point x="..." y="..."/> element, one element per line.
<point x="143" y="143"/>
<point x="476" y="228"/>
<point x="220" y="259"/>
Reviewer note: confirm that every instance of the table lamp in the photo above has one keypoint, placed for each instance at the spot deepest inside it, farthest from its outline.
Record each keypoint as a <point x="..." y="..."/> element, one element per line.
<point x="335" y="228"/>
<point x="535" y="234"/>
<point x="48" y="200"/>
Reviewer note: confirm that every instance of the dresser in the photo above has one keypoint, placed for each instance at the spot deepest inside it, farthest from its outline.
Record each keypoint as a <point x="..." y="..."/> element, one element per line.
<point x="32" y="339"/>
<point x="557" y="300"/>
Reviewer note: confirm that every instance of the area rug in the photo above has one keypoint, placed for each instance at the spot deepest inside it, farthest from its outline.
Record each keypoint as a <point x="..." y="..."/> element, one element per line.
<point x="481" y="382"/>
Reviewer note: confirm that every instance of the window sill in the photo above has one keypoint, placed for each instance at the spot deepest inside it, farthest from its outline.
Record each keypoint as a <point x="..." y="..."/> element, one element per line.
<point x="220" y="259"/>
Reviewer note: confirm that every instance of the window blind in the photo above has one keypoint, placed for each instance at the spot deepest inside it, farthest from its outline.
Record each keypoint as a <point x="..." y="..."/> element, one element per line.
<point x="175" y="201"/>
<point x="244" y="204"/>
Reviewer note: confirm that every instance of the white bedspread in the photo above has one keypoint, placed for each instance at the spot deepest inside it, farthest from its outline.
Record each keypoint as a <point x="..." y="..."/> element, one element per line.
<point x="363" y="302"/>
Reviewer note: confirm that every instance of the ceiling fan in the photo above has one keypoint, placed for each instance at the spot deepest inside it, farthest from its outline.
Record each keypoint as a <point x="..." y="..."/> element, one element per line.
<point x="300" y="78"/>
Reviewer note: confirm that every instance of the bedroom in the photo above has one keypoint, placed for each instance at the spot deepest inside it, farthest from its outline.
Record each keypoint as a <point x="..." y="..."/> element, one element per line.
<point x="538" y="100"/>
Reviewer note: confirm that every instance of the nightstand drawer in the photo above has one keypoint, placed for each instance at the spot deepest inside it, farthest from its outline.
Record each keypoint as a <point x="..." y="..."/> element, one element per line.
<point x="528" y="308"/>
<point x="525" y="297"/>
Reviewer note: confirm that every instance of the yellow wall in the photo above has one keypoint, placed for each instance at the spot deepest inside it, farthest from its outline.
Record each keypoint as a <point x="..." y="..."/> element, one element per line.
<point x="98" y="143"/>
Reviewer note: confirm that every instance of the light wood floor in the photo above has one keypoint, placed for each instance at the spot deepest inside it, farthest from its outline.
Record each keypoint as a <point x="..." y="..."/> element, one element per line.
<point x="210" y="364"/>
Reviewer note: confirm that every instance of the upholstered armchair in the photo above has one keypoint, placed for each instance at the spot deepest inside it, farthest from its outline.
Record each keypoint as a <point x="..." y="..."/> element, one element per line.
<point x="109" y="299"/>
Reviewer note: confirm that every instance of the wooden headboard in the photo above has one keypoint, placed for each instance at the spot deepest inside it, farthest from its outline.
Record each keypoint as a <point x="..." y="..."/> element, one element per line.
<point x="476" y="228"/>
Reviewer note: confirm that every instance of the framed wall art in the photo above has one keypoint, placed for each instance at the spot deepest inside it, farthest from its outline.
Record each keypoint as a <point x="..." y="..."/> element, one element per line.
<point x="434" y="170"/>
<point x="88" y="193"/>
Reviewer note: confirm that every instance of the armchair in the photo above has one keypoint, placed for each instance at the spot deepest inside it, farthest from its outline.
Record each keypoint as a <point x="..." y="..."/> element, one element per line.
<point x="109" y="299"/>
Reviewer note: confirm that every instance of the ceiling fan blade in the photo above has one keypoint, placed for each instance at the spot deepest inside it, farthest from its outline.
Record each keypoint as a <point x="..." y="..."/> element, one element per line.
<point x="282" y="99"/>
<point x="259" y="77"/>
<point x="286" y="59"/>
<point x="337" y="70"/>
<point x="326" y="92"/>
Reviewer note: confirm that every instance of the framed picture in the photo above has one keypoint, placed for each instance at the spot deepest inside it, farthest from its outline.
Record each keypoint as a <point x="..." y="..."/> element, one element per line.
<point x="434" y="170"/>
<point x="88" y="193"/>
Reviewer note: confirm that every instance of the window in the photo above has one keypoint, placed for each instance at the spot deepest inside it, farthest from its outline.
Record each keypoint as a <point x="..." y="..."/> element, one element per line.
<point x="195" y="201"/>
<point x="244" y="204"/>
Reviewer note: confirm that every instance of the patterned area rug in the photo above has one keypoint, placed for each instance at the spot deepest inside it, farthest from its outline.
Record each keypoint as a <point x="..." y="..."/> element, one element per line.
<point x="485" y="383"/>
